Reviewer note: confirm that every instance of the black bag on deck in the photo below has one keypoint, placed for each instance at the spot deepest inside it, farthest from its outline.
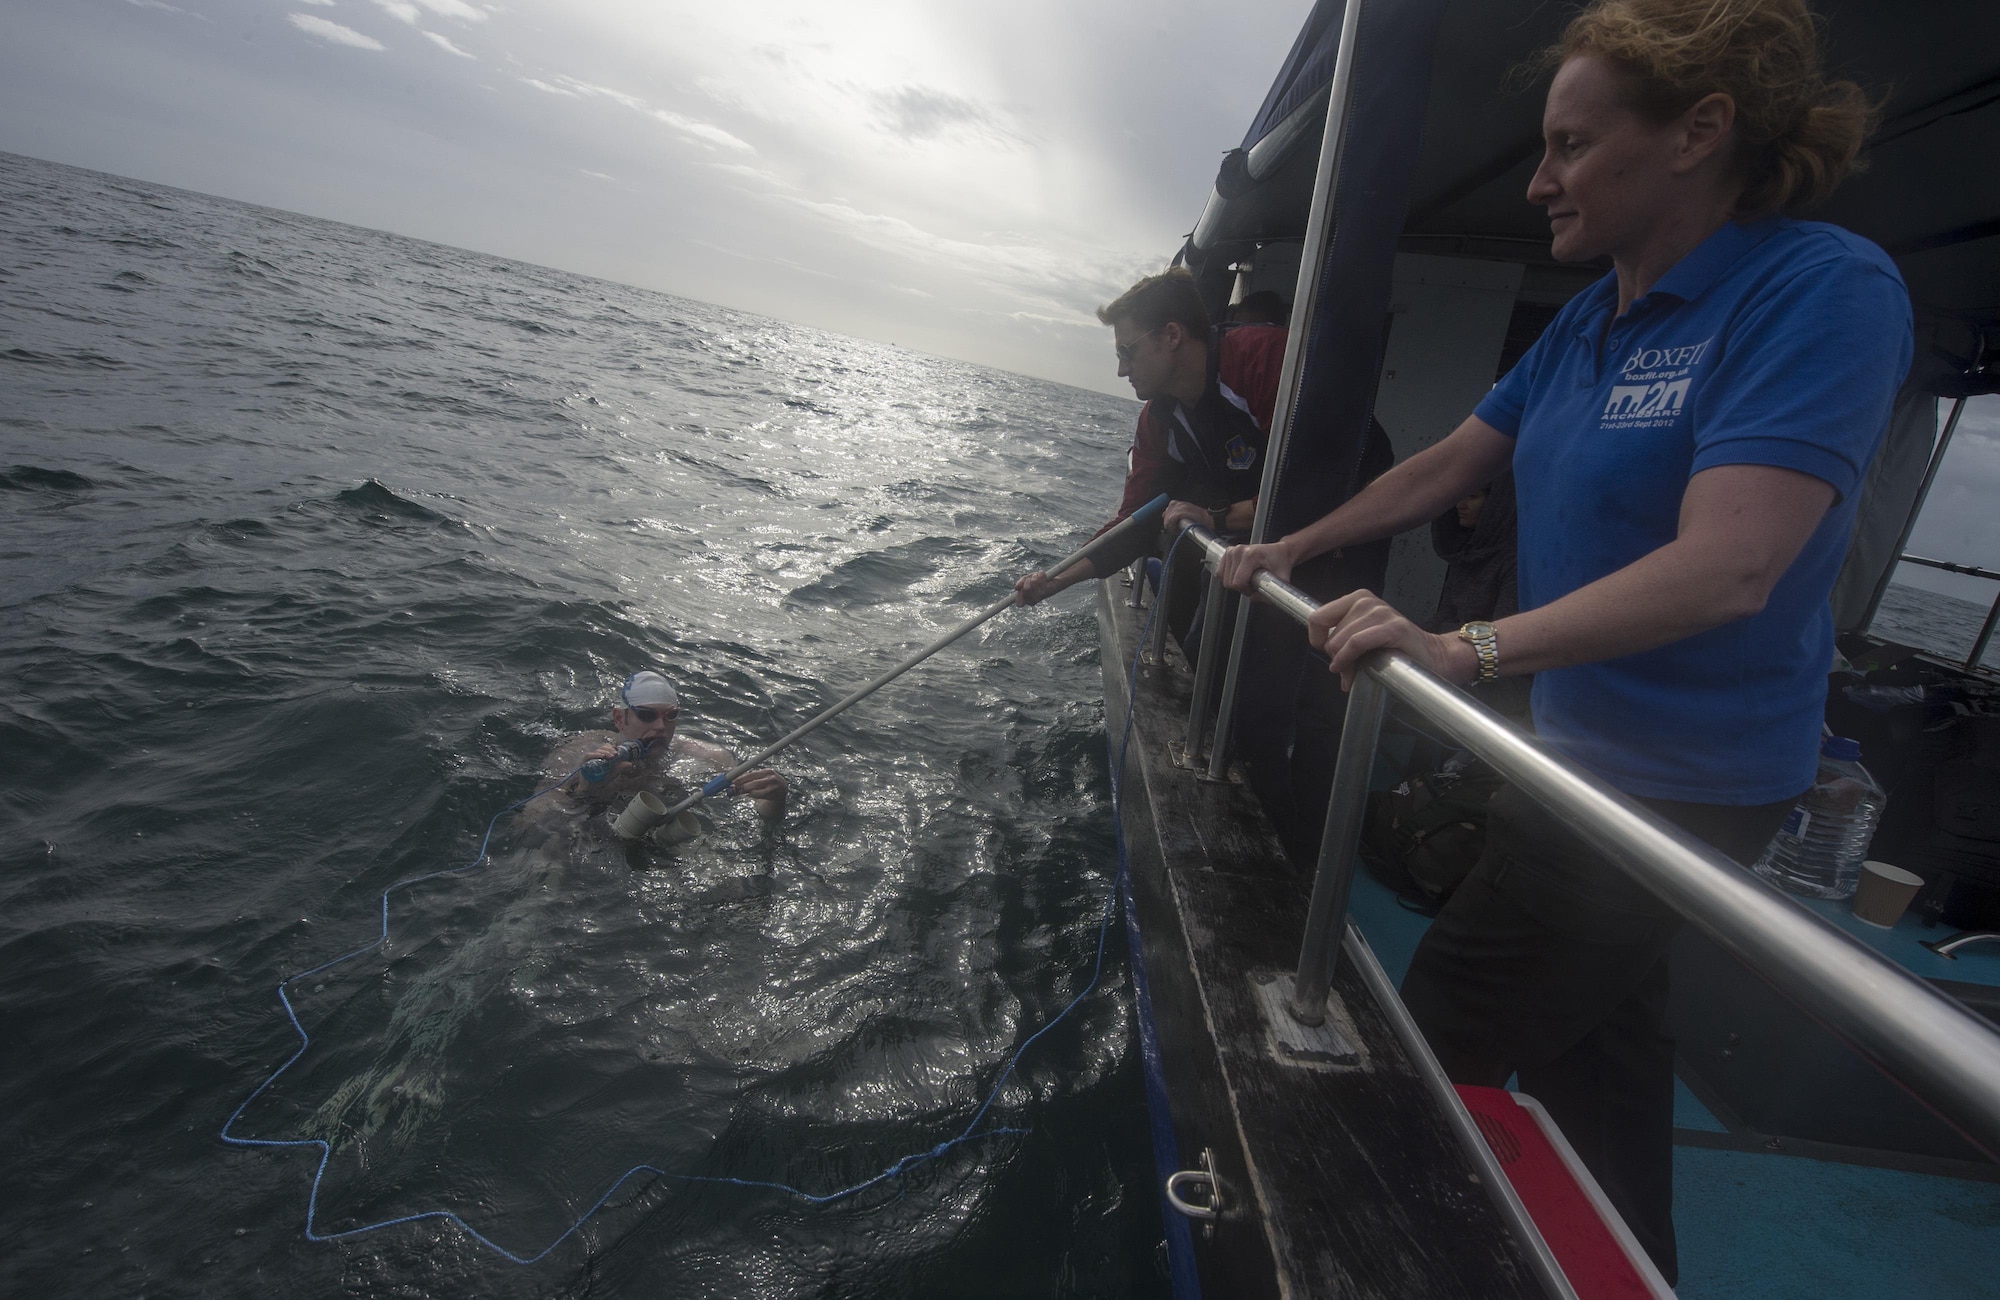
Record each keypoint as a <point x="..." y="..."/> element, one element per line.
<point x="1424" y="837"/>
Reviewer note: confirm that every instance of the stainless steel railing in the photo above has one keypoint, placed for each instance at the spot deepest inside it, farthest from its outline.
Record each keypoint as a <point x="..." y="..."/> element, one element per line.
<point x="1204" y="740"/>
<point x="1943" y="1054"/>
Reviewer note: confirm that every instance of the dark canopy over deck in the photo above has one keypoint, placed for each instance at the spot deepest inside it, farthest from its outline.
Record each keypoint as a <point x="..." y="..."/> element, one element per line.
<point x="1443" y="133"/>
<point x="1931" y="195"/>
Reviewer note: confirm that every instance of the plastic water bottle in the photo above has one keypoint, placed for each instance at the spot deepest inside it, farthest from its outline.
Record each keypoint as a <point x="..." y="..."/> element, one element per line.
<point x="1819" y="850"/>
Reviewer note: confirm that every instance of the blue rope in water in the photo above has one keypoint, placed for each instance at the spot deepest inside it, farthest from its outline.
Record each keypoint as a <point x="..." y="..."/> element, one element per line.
<point x="898" y="1170"/>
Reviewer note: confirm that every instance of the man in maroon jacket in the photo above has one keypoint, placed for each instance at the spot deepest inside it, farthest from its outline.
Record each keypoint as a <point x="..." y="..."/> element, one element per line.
<point x="1202" y="434"/>
<point x="1201" y="439"/>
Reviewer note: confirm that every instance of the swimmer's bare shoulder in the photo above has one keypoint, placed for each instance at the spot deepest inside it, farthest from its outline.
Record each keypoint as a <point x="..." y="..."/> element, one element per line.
<point x="565" y="758"/>
<point x="714" y="755"/>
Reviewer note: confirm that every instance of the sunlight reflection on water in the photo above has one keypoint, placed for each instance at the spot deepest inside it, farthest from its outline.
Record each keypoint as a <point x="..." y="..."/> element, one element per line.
<point x="357" y="528"/>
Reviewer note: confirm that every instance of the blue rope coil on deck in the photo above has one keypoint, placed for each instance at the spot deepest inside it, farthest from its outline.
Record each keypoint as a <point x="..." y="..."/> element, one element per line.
<point x="901" y="1168"/>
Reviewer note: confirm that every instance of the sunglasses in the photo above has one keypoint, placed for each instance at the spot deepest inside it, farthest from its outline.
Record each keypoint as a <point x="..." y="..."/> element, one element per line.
<point x="1126" y="351"/>
<point x="650" y="716"/>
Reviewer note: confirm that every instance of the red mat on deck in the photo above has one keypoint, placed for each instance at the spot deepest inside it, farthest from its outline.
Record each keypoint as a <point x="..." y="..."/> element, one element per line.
<point x="1584" y="1244"/>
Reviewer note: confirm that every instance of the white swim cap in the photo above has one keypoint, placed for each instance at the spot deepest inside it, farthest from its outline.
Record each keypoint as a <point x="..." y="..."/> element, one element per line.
<point x="647" y="689"/>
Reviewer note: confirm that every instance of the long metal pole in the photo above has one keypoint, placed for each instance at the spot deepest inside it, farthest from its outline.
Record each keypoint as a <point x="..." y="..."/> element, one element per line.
<point x="1305" y="304"/>
<point x="1942" y="1054"/>
<point x="1138" y="518"/>
<point x="1951" y="566"/>
<point x="1910" y="519"/>
<point x="1333" y="880"/>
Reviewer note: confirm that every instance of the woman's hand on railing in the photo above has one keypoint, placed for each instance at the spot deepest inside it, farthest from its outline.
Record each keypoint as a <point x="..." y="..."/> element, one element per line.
<point x="1359" y="623"/>
<point x="1240" y="565"/>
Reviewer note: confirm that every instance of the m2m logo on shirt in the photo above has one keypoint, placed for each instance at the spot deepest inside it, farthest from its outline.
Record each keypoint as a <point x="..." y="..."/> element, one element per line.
<point x="1655" y="398"/>
<point x="1655" y="387"/>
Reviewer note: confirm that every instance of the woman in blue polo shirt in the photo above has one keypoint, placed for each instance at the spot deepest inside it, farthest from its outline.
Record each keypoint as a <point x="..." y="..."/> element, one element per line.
<point x="1687" y="441"/>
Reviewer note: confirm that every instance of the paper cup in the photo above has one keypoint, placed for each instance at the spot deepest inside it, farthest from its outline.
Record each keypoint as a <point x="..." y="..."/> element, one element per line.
<point x="1885" y="893"/>
<point x="641" y="815"/>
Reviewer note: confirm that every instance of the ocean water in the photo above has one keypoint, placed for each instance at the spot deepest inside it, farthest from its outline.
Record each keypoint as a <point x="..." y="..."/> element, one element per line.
<point x="1945" y="625"/>
<point x="314" y="540"/>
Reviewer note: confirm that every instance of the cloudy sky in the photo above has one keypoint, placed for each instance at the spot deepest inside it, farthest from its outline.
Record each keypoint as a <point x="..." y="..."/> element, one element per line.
<point x="964" y="179"/>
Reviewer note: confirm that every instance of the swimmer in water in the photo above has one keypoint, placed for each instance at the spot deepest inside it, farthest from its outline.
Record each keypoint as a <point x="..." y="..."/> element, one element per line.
<point x="397" y="1099"/>
<point x="647" y="712"/>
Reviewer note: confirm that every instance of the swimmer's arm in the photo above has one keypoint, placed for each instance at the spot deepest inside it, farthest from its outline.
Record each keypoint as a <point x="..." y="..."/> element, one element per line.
<point x="766" y="790"/>
<point x="559" y="769"/>
<point x="764" y="787"/>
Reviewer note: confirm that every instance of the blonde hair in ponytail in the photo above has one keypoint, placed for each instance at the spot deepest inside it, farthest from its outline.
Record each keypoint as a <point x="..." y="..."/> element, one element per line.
<point x="1798" y="135"/>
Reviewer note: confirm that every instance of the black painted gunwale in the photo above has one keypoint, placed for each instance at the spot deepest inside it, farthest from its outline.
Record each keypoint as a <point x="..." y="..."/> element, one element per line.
<point x="1348" y="1183"/>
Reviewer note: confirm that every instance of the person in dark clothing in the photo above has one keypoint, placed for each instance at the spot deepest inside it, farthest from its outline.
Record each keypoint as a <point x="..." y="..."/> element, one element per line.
<point x="1209" y="394"/>
<point x="1476" y="541"/>
<point x="1201" y="438"/>
<point x="1263" y="307"/>
<point x="1426" y="833"/>
<point x="1288" y="730"/>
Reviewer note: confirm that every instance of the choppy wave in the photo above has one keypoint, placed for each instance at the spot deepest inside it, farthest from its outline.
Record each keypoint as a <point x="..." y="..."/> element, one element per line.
<point x="33" y="478"/>
<point x="379" y="503"/>
<point x="318" y="541"/>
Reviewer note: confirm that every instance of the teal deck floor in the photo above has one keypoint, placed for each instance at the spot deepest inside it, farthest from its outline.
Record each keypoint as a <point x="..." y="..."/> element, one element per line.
<point x="1756" y="1226"/>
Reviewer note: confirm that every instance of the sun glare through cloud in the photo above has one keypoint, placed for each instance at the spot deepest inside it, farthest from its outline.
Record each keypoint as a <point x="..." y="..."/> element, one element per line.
<point x="888" y="141"/>
<point x="960" y="179"/>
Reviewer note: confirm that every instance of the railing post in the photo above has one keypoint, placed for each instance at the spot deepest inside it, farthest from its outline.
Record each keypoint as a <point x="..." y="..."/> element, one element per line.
<point x="1985" y="637"/>
<point x="1345" y="811"/>
<point x="1225" y="722"/>
<point x="1213" y="647"/>
<point x="1158" y="649"/>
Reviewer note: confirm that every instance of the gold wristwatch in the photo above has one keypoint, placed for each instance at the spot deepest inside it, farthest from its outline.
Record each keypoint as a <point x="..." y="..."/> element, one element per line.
<point x="1486" y="644"/>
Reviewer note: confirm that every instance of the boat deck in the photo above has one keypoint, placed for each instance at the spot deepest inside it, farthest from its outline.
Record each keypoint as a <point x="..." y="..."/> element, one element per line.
<point x="1343" y="1176"/>
<point x="1765" y="1211"/>
<point x="1755" y="1224"/>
